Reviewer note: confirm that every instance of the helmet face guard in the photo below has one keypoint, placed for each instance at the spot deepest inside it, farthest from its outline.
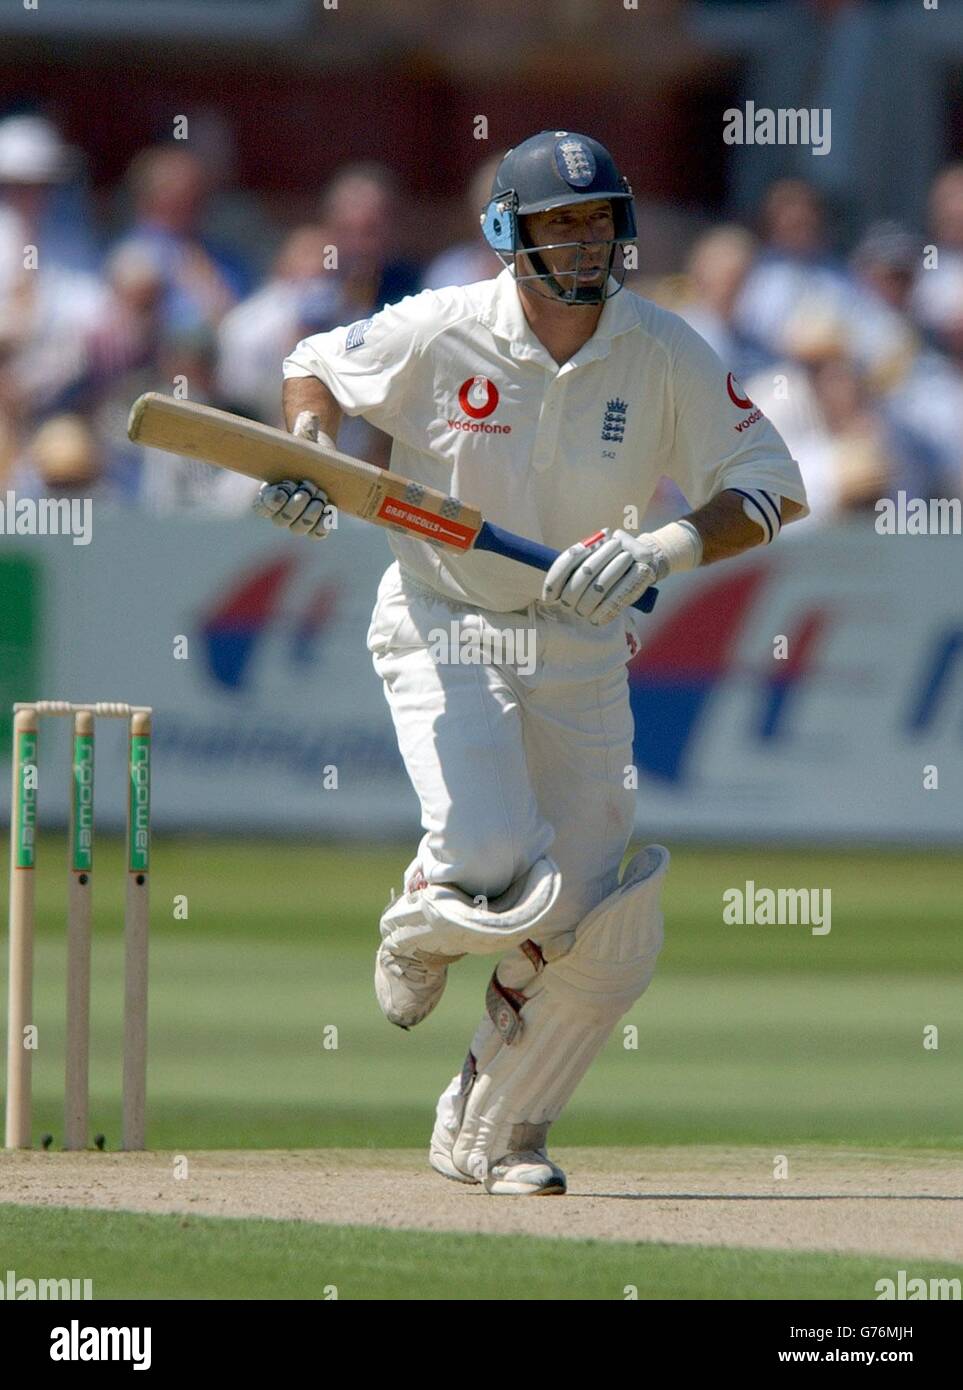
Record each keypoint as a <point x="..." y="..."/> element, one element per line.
<point x="551" y="170"/>
<point x="502" y="229"/>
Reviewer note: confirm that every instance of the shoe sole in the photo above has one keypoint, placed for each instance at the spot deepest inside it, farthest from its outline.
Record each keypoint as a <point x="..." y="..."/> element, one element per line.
<point x="503" y="1189"/>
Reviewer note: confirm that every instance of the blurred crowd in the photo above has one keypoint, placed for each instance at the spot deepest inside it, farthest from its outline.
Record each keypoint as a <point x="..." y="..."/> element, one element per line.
<point x="857" y="357"/>
<point x="857" y="360"/>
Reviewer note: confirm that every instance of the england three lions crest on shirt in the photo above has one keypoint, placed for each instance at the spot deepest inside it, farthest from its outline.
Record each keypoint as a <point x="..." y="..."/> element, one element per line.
<point x="478" y="409"/>
<point x="613" y="421"/>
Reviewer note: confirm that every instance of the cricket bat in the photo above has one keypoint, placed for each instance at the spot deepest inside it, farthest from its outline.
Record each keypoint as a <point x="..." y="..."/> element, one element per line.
<point x="356" y="488"/>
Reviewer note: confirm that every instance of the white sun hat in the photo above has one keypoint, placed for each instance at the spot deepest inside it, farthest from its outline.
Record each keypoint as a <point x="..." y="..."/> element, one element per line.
<point x="32" y="151"/>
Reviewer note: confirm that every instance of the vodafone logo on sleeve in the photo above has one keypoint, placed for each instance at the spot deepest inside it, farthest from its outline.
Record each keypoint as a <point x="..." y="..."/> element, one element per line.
<point x="735" y="393"/>
<point x="478" y="398"/>
<point x="742" y="402"/>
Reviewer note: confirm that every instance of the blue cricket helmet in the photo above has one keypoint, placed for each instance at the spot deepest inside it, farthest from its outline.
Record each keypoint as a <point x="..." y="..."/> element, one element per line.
<point x="555" y="169"/>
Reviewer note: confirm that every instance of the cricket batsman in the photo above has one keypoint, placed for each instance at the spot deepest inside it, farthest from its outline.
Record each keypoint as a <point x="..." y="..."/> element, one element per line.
<point x="553" y="400"/>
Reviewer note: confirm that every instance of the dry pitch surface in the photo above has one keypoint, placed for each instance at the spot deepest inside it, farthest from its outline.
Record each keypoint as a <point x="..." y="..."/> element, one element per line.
<point x="897" y="1203"/>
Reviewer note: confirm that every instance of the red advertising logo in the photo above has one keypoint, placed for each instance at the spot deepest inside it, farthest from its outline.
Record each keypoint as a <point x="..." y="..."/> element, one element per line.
<point x="734" y="389"/>
<point x="478" y="397"/>
<point x="395" y="512"/>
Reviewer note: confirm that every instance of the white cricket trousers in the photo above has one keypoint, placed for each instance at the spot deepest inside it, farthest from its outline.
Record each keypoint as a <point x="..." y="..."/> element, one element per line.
<point x="509" y="766"/>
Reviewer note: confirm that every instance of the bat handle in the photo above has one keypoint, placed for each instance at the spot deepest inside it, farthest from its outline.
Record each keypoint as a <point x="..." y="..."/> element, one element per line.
<point x="540" y="557"/>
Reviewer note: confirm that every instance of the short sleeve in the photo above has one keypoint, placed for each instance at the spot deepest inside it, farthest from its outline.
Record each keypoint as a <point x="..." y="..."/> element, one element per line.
<point x="367" y="366"/>
<point x="722" y="439"/>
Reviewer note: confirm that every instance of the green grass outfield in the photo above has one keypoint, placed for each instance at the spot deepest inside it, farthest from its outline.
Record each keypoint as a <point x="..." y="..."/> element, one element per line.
<point x="746" y="1035"/>
<point x="129" y="1255"/>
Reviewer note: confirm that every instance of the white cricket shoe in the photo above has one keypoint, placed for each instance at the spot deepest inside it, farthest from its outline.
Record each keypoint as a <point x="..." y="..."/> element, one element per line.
<point x="448" y="1112"/>
<point x="524" y="1173"/>
<point x="439" y="1156"/>
<point x="527" y="1173"/>
<point x="409" y="985"/>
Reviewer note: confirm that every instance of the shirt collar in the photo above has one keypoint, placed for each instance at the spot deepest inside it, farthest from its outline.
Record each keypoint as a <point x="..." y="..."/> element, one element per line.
<point x="505" y="317"/>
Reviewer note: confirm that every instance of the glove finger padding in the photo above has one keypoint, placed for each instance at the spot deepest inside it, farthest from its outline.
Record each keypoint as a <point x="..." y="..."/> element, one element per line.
<point x="631" y="587"/>
<point x="301" y="507"/>
<point x="311" y="520"/>
<point x="294" y="508"/>
<point x="272" y="497"/>
<point x="599" y="589"/>
<point x="586" y="574"/>
<point x="601" y="575"/>
<point x="565" y="565"/>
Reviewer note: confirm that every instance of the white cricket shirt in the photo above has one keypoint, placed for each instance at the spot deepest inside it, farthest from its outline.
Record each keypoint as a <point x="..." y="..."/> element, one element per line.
<point x="478" y="409"/>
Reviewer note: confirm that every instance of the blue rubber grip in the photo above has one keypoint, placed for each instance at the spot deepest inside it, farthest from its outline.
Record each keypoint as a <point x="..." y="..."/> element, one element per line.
<point x="540" y="557"/>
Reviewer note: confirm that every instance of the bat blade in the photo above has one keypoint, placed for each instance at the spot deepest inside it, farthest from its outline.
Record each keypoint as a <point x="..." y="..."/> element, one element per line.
<point x="269" y="455"/>
<point x="355" y="487"/>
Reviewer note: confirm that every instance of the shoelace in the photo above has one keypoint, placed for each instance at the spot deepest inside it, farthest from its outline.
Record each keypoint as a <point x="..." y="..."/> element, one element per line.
<point x="411" y="968"/>
<point x="524" y="1156"/>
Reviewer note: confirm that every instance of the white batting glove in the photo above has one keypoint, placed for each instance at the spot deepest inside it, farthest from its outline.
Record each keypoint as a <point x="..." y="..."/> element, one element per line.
<point x="599" y="576"/>
<point x="302" y="507"/>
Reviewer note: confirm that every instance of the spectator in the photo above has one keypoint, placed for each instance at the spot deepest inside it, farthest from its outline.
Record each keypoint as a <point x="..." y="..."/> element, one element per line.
<point x="50" y="175"/>
<point x="65" y="458"/>
<point x="794" y="264"/>
<point x="300" y="298"/>
<point x="360" y="210"/>
<point x="8" y="451"/>
<point x="951" y="339"/>
<point x="939" y="287"/>
<point x="796" y="275"/>
<point x="234" y="215"/>
<point x="201" y="281"/>
<point x="886" y="261"/>
<point x="923" y="390"/>
<point x="130" y="339"/>
<point x="123" y="356"/>
<point x="471" y="259"/>
<point x="717" y="269"/>
<point x="47" y="310"/>
<point x="169" y="484"/>
<point x="851" y="451"/>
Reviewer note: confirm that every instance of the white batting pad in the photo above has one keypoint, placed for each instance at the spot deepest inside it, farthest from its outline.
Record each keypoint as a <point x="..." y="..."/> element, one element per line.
<point x="542" y="1032"/>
